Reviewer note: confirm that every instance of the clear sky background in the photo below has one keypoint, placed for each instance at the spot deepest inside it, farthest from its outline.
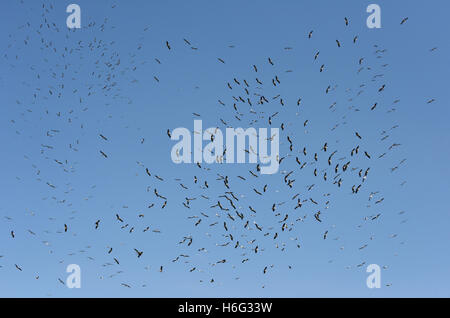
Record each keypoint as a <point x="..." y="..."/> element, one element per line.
<point x="59" y="90"/>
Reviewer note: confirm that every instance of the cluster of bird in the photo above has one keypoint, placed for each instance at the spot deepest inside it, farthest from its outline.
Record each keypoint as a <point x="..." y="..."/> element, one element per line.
<point x="235" y="216"/>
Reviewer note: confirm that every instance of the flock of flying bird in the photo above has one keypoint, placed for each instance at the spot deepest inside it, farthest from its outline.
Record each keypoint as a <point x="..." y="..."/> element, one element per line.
<point x="244" y="215"/>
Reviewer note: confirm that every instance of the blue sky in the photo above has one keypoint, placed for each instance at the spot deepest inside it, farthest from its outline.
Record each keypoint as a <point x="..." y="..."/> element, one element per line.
<point x="125" y="103"/>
